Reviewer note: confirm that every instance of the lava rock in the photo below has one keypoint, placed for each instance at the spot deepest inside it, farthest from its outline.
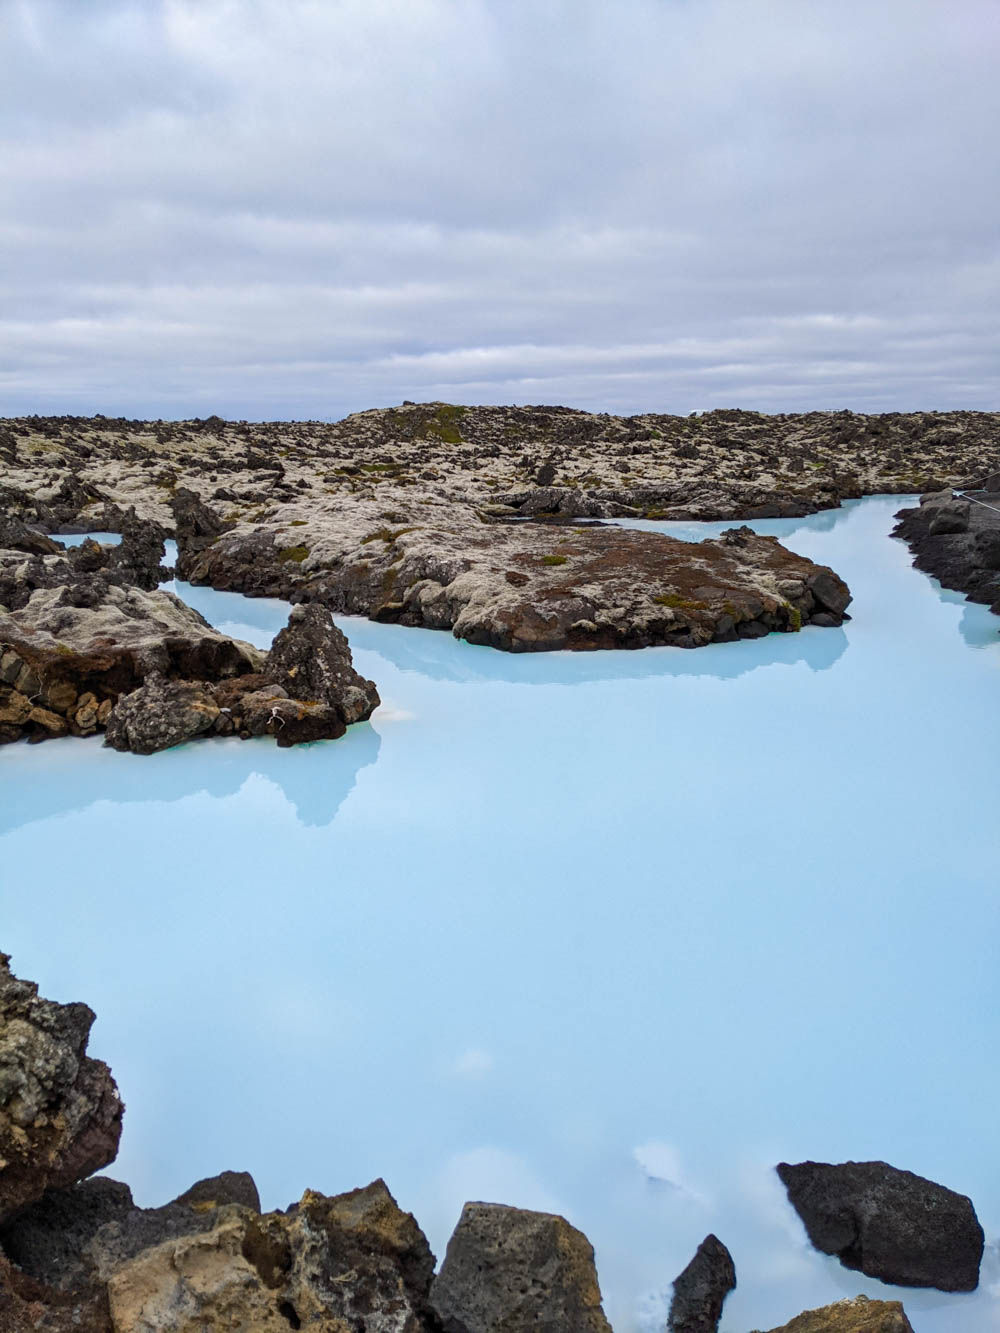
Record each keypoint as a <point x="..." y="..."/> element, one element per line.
<point x="60" y="1113"/>
<point x="311" y="659"/>
<point x="701" y="1290"/>
<point x="511" y="1269"/>
<point x="857" y="1315"/>
<point x="159" y="714"/>
<point x="889" y="1224"/>
<point x="328" y="1264"/>
<point x="951" y="517"/>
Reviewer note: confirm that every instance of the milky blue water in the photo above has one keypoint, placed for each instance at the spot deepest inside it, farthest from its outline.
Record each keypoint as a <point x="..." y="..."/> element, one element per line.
<point x="608" y="934"/>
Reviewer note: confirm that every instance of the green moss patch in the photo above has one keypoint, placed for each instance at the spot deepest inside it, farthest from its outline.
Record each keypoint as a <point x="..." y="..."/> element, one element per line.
<point x="295" y="553"/>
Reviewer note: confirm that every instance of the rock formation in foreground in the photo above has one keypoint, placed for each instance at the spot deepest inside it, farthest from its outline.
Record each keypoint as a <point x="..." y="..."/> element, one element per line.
<point x="957" y="540"/>
<point x="888" y="1224"/>
<point x="700" y="1291"/>
<point x="78" y="1256"/>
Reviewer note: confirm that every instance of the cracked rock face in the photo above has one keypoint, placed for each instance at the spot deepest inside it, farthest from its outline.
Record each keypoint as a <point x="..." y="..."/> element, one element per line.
<point x="888" y="1224"/>
<point x="516" y="1270"/>
<point x="60" y="1113"/>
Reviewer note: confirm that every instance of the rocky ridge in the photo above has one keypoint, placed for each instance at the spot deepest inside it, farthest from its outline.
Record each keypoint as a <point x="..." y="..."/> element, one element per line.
<point x="720" y="464"/>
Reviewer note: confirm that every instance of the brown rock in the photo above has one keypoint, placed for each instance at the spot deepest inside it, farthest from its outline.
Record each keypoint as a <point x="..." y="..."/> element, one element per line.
<point x="511" y="1269"/>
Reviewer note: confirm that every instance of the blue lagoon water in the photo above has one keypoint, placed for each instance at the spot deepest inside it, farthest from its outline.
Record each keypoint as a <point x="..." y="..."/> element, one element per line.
<point x="608" y="934"/>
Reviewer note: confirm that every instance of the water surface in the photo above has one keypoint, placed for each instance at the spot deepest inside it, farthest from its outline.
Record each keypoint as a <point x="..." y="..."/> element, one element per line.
<point x="608" y="934"/>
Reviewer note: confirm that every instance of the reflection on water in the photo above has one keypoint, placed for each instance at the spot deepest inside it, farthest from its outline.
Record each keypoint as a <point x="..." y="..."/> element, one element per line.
<point x="313" y="780"/>
<point x="611" y="945"/>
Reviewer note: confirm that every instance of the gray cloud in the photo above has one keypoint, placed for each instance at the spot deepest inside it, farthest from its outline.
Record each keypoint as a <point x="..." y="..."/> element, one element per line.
<point x="304" y="207"/>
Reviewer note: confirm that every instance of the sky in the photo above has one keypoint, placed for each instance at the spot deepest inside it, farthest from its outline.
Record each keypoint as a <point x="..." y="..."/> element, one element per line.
<point x="301" y="208"/>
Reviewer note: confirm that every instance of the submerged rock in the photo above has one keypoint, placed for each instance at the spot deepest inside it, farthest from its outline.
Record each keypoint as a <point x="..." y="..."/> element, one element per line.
<point x="887" y="1223"/>
<point x="60" y="1113"/>
<point x="700" y="1291"/>
<point x="857" y="1315"/>
<point x="511" y="1269"/>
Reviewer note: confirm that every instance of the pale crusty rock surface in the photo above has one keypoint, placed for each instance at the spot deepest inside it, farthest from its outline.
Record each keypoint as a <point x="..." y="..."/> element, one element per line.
<point x="515" y="1270"/>
<point x="60" y="1113"/>
<point x="721" y="464"/>
<point x="397" y="513"/>
<point x="854" y="1315"/>
<point x="82" y="654"/>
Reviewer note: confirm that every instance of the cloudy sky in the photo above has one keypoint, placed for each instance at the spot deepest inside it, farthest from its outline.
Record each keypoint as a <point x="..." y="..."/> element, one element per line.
<point x="299" y="208"/>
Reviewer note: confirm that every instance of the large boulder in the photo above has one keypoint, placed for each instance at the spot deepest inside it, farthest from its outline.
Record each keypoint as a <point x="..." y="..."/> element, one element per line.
<point x="311" y="659"/>
<point x="857" y="1315"/>
<point x="701" y="1290"/>
<point x="889" y="1224"/>
<point x="60" y="1113"/>
<point x="515" y="1270"/>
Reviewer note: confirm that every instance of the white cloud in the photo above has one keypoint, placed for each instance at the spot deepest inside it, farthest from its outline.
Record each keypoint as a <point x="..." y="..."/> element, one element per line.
<point x="288" y="207"/>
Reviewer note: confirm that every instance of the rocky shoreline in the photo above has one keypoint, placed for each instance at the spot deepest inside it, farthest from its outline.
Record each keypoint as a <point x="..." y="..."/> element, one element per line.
<point x="76" y="1253"/>
<point x="956" y="538"/>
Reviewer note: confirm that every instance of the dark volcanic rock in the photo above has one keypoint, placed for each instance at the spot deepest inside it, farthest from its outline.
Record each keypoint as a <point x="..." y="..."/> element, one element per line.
<point x="226" y="1187"/>
<point x="958" y="542"/>
<point x="195" y="524"/>
<point x="18" y="536"/>
<point x="887" y="1223"/>
<point x="311" y="659"/>
<point x="701" y="1290"/>
<point x="510" y="1269"/>
<point x="857" y="1315"/>
<point x="60" y="1113"/>
<point x="159" y="714"/>
<point x="48" y="1240"/>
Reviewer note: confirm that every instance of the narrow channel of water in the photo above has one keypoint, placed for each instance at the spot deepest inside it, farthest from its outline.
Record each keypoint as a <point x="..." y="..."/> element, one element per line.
<point x="608" y="934"/>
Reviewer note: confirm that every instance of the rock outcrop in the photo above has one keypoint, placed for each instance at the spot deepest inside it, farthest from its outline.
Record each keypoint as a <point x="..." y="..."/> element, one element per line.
<point x="60" y="1113"/>
<point x="857" y="1315"/>
<point x="887" y="1223"/>
<point x="531" y="588"/>
<point x="89" y="647"/>
<point x="74" y="649"/>
<point x="957" y="541"/>
<point x="507" y="1268"/>
<point x="700" y="1291"/>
